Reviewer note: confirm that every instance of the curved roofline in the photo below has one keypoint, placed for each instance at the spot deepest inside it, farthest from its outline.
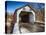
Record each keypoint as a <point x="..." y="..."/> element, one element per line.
<point x="16" y="13"/>
<point x="24" y="6"/>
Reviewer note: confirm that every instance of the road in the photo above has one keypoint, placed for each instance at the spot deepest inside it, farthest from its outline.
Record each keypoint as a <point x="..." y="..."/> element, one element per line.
<point x="28" y="27"/>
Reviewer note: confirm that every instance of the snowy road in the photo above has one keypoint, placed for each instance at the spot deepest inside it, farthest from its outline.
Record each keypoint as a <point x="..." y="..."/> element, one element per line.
<point x="27" y="28"/>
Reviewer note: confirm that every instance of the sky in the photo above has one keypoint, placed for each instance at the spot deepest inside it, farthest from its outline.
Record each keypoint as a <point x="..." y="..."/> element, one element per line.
<point x="13" y="5"/>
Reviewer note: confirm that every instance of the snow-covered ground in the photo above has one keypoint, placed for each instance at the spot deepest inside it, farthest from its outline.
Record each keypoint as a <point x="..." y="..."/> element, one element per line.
<point x="16" y="29"/>
<point x="28" y="28"/>
<point x="24" y="30"/>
